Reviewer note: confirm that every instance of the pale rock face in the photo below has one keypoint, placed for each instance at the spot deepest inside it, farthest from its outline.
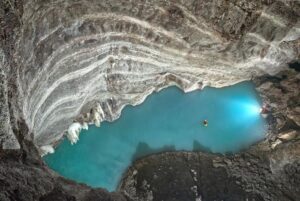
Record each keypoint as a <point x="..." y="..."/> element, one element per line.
<point x="74" y="130"/>
<point x="85" y="60"/>
<point x="288" y="135"/>
<point x="46" y="149"/>
<point x="85" y="126"/>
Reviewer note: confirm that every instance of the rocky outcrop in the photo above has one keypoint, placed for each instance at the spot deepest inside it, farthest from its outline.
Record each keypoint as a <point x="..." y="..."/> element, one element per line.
<point x="269" y="170"/>
<point x="8" y="139"/>
<point x="24" y="177"/>
<point x="85" y="60"/>
<point x="258" y="174"/>
<point x="281" y="95"/>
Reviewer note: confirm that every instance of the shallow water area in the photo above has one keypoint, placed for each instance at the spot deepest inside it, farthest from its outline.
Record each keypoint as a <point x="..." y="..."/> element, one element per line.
<point x="168" y="120"/>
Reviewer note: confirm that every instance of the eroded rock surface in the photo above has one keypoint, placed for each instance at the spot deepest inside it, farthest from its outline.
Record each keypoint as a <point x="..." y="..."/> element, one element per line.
<point x="269" y="170"/>
<point x="8" y="139"/>
<point x="258" y="174"/>
<point x="281" y="95"/>
<point x="24" y="177"/>
<point x="73" y="56"/>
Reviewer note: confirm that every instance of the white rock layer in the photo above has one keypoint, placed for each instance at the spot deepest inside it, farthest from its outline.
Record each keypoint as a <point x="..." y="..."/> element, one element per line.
<point x="85" y="60"/>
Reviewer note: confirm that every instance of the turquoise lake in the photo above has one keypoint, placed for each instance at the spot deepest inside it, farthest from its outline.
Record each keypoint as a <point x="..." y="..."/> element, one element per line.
<point x="168" y="120"/>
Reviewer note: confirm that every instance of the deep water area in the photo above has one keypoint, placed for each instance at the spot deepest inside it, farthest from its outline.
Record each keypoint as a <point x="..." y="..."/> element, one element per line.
<point x="166" y="121"/>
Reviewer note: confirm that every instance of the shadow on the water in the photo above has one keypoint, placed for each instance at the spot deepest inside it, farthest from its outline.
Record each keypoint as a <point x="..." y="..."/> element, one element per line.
<point x="143" y="149"/>
<point x="197" y="146"/>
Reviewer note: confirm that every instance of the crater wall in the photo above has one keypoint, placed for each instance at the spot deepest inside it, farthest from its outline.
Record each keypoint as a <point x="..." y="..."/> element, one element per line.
<point x="85" y="60"/>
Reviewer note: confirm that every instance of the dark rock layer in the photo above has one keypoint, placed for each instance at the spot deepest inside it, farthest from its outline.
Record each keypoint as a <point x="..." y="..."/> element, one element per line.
<point x="185" y="176"/>
<point x="24" y="177"/>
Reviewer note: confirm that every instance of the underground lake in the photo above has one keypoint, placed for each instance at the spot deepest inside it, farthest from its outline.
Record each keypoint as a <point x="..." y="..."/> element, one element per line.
<point x="166" y="121"/>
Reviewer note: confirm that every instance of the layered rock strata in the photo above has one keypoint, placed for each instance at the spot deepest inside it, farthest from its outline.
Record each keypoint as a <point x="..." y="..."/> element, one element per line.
<point x="64" y="64"/>
<point x="85" y="60"/>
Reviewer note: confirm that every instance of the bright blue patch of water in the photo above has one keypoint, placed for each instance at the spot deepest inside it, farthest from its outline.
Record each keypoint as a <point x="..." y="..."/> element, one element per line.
<point x="166" y="121"/>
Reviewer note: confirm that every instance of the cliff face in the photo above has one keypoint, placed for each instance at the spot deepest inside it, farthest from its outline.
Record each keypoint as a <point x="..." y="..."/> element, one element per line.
<point x="73" y="56"/>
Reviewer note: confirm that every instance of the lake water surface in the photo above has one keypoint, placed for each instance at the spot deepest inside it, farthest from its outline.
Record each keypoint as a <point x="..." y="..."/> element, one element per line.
<point x="168" y="120"/>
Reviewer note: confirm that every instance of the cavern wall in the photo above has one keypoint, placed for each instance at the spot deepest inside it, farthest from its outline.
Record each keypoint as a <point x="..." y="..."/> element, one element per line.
<point x="74" y="56"/>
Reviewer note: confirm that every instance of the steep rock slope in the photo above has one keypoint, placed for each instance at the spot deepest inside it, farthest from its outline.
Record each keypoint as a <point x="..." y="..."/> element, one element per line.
<point x="24" y="177"/>
<point x="74" y="56"/>
<point x="258" y="174"/>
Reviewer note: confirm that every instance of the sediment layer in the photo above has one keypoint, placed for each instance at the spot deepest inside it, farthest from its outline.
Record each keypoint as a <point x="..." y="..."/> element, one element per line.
<point x="85" y="60"/>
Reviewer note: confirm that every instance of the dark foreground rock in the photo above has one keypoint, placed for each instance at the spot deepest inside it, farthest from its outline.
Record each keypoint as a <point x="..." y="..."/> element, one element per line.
<point x="24" y="177"/>
<point x="269" y="170"/>
<point x="257" y="174"/>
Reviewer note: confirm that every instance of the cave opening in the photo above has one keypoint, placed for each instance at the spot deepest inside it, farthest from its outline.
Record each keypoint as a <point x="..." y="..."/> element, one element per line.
<point x="169" y="120"/>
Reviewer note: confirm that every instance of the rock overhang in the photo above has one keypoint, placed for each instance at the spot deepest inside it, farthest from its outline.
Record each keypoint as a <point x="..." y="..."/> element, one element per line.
<point x="85" y="61"/>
